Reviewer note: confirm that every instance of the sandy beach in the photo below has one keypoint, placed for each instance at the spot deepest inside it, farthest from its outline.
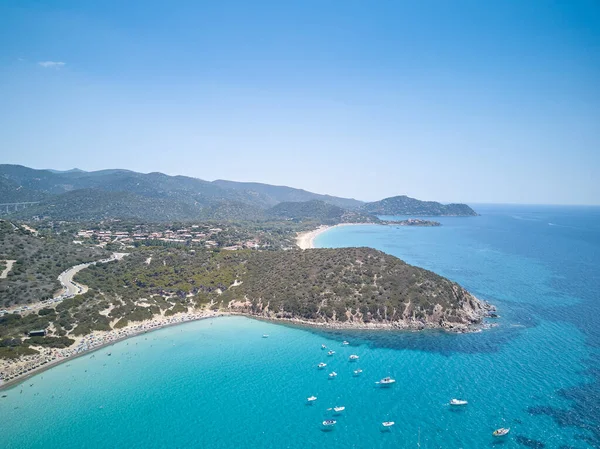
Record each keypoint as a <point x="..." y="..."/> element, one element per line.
<point x="14" y="371"/>
<point x="306" y="240"/>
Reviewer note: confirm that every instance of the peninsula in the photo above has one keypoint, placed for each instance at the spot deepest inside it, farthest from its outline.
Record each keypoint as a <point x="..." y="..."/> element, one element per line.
<point x="404" y="205"/>
<point x="154" y="286"/>
<point x="195" y="249"/>
<point x="413" y="222"/>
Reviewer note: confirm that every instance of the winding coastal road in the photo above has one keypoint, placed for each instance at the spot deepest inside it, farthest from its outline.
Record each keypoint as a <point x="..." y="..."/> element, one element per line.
<point x="72" y="288"/>
<point x="69" y="286"/>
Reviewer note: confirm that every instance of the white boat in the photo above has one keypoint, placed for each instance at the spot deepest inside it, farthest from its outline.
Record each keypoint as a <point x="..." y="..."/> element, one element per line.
<point x="332" y="375"/>
<point x="329" y="423"/>
<point x="388" y="423"/>
<point x="345" y="343"/>
<point x="501" y="431"/>
<point x="323" y="347"/>
<point x="357" y="372"/>
<point x="337" y="410"/>
<point x="311" y="399"/>
<point x="354" y="357"/>
<point x="330" y="353"/>
<point x="386" y="381"/>
<point x="322" y="365"/>
<point x="458" y="402"/>
<point x="265" y="335"/>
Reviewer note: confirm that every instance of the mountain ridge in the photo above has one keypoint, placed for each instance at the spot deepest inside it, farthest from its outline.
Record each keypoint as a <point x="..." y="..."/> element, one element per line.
<point x="159" y="197"/>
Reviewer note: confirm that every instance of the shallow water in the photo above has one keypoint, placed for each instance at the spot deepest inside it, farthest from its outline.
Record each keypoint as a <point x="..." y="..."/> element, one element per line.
<point x="218" y="384"/>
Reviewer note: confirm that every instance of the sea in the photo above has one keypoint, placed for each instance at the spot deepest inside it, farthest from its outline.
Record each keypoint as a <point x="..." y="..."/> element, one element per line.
<point x="218" y="383"/>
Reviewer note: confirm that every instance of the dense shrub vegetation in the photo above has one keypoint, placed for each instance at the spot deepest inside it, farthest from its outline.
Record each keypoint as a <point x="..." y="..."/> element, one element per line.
<point x="39" y="261"/>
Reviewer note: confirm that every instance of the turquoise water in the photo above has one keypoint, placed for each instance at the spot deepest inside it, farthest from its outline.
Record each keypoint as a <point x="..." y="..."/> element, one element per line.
<point x="218" y="384"/>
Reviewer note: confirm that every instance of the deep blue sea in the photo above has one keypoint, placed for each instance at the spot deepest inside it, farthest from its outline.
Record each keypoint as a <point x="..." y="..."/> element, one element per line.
<point x="218" y="384"/>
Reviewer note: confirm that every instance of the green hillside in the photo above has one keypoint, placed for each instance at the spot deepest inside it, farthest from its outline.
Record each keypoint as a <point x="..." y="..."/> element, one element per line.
<point x="94" y="205"/>
<point x="279" y="194"/>
<point x="80" y="195"/>
<point x="404" y="205"/>
<point x="317" y="211"/>
<point x="193" y="191"/>
<point x="39" y="261"/>
<point x="356" y="284"/>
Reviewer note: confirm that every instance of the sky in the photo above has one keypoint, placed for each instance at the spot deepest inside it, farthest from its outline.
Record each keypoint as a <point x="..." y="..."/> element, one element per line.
<point x="471" y="101"/>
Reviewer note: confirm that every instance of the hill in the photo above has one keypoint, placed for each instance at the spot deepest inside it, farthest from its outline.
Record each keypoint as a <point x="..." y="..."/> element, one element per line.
<point x="357" y="287"/>
<point x="12" y="192"/>
<point x="184" y="189"/>
<point x="39" y="261"/>
<point x="152" y="185"/>
<point x="232" y="211"/>
<point x="317" y="211"/>
<point x="344" y="287"/>
<point x="404" y="205"/>
<point x="279" y="194"/>
<point x="80" y="195"/>
<point x="95" y="205"/>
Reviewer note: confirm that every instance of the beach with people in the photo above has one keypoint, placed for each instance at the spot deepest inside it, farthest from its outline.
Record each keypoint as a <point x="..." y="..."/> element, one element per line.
<point x="306" y="240"/>
<point x="13" y="371"/>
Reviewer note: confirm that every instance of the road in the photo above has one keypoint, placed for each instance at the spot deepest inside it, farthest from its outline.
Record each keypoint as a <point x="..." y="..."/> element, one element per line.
<point x="72" y="288"/>
<point x="9" y="265"/>
<point x="69" y="286"/>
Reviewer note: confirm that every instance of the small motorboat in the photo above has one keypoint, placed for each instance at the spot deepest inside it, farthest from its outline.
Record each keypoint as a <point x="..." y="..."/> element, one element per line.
<point x="322" y="365"/>
<point x="345" y="343"/>
<point x="458" y="402"/>
<point x="501" y="431"/>
<point x="386" y="381"/>
<point x="354" y="357"/>
<point x="357" y="372"/>
<point x="265" y="335"/>
<point x="332" y="375"/>
<point x="323" y="347"/>
<point x="329" y="423"/>
<point x="388" y="424"/>
<point x="337" y="410"/>
<point x="330" y="353"/>
<point x="311" y="399"/>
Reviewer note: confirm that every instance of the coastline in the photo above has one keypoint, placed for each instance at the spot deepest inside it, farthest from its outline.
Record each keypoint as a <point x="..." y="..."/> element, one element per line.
<point x="15" y="371"/>
<point x="411" y="326"/>
<point x="306" y="240"/>
<point x="100" y="339"/>
<point x="95" y="341"/>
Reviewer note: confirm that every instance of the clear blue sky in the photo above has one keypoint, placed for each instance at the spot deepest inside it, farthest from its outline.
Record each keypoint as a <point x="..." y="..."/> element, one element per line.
<point x="475" y="101"/>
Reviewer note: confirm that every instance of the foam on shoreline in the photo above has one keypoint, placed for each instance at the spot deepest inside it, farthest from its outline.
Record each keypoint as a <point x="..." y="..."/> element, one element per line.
<point x="306" y="240"/>
<point x="50" y="357"/>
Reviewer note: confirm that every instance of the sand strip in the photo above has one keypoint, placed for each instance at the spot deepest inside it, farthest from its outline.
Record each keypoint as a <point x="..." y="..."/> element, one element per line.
<point x="13" y="372"/>
<point x="306" y="240"/>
